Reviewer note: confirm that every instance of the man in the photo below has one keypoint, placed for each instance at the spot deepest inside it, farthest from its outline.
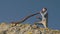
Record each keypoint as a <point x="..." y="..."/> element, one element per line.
<point x="44" y="20"/>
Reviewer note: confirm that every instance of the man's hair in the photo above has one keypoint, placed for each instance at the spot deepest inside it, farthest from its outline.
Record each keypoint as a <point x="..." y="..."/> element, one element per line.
<point x="45" y="8"/>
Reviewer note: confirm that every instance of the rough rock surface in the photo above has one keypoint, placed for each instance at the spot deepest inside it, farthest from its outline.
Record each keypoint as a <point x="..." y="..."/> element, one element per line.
<point x="25" y="29"/>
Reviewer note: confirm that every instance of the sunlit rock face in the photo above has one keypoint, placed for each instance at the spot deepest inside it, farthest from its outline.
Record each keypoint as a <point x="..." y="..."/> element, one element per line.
<point x="25" y="29"/>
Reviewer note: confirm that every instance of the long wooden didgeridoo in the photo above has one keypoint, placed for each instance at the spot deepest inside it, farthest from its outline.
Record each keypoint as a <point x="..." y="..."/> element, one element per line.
<point x="24" y="19"/>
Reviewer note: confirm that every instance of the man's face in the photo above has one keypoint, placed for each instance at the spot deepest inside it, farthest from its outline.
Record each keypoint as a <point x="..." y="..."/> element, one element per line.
<point x="43" y="10"/>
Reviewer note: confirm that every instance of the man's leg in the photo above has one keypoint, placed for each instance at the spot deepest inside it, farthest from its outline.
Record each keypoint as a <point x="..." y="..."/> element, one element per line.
<point x="39" y="23"/>
<point x="44" y="23"/>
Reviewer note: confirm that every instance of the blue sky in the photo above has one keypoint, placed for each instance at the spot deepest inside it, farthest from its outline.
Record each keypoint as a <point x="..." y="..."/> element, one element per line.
<point x="15" y="10"/>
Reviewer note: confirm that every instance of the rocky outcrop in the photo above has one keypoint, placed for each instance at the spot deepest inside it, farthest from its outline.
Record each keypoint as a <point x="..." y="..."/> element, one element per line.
<point x="25" y="29"/>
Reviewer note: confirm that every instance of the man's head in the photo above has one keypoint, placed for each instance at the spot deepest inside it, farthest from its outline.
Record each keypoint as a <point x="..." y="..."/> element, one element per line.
<point x="44" y="9"/>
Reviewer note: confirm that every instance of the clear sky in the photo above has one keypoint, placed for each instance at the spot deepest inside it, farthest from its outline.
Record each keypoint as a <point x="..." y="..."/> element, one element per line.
<point x="15" y="10"/>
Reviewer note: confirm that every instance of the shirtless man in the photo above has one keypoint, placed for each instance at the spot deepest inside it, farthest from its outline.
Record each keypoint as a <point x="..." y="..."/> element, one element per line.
<point x="44" y="20"/>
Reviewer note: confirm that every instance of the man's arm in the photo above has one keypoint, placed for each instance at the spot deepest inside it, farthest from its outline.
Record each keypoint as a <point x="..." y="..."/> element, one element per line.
<point x="45" y="13"/>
